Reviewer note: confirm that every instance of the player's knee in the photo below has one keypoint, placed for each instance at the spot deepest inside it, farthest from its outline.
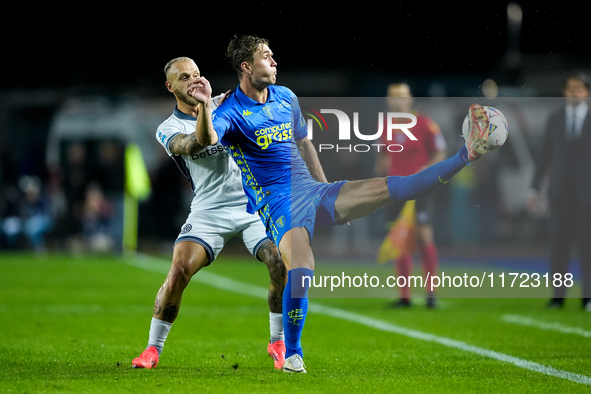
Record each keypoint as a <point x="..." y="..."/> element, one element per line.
<point x="180" y="274"/>
<point x="187" y="260"/>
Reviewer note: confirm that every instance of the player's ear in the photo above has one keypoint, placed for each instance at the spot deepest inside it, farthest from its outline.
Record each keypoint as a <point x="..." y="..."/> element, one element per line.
<point x="169" y="87"/>
<point x="245" y="67"/>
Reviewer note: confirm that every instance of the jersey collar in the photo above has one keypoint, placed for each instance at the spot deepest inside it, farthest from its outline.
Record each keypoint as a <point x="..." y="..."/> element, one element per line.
<point x="182" y="115"/>
<point x="247" y="101"/>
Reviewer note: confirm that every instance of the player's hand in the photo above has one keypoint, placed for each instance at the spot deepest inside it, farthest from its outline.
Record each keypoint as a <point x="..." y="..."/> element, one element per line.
<point x="220" y="98"/>
<point x="200" y="90"/>
<point x="226" y="95"/>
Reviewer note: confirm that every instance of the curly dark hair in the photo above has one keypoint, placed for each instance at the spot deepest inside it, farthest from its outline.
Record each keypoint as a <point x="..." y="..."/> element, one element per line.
<point x="242" y="49"/>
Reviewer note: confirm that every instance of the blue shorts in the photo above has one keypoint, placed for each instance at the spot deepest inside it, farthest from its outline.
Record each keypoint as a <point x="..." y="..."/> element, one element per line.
<point x="310" y="203"/>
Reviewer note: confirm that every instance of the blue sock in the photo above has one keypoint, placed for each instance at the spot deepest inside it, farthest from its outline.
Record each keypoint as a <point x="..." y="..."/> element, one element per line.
<point x="295" y="309"/>
<point x="404" y="188"/>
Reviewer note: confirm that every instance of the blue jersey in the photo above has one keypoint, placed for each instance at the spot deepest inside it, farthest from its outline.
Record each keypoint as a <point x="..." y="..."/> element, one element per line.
<point x="262" y="139"/>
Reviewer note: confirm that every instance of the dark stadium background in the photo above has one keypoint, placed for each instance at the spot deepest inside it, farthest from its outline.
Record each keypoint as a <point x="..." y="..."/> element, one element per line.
<point x="118" y="47"/>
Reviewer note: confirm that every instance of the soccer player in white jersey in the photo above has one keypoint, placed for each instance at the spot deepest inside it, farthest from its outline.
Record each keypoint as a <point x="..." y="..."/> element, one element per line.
<point x="218" y="213"/>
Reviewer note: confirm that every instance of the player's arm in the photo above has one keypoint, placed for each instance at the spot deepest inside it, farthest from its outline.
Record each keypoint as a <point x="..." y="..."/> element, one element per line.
<point x="184" y="144"/>
<point x="308" y="153"/>
<point x="305" y="146"/>
<point x="200" y="90"/>
<point x="204" y="130"/>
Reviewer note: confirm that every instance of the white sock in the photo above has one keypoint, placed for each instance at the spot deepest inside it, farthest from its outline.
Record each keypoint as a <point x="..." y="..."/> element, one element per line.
<point x="276" y="325"/>
<point x="158" y="332"/>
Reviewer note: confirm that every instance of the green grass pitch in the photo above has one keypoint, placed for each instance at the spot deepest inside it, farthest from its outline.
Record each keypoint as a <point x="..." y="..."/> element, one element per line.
<point x="74" y="324"/>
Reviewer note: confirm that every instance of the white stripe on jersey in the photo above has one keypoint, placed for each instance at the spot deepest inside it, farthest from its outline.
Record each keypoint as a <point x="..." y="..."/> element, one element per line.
<point x="214" y="176"/>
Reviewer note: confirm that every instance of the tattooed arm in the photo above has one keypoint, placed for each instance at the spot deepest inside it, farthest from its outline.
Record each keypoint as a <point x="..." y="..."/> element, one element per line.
<point x="184" y="144"/>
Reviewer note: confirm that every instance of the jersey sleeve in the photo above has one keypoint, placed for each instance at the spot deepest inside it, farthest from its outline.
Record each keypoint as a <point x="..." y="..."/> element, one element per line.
<point x="221" y="123"/>
<point x="165" y="134"/>
<point x="300" y="128"/>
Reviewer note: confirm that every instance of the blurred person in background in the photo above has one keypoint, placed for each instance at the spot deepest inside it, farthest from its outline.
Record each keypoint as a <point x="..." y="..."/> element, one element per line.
<point x="74" y="179"/>
<point x="415" y="156"/>
<point x="566" y="158"/>
<point x="97" y="218"/>
<point x="8" y="188"/>
<point x="109" y="174"/>
<point x="30" y="215"/>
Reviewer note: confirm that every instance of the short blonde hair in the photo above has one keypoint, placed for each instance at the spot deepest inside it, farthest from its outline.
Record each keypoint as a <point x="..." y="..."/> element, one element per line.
<point x="174" y="61"/>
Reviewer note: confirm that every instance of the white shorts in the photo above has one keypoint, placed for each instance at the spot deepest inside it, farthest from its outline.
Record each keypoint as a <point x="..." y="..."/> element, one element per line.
<point x="212" y="228"/>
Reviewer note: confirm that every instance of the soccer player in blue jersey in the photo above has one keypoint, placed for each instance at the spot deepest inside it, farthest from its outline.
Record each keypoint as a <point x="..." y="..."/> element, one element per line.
<point x="263" y="128"/>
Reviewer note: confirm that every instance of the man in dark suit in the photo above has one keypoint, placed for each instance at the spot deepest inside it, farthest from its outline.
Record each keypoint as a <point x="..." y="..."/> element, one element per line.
<point x="566" y="158"/>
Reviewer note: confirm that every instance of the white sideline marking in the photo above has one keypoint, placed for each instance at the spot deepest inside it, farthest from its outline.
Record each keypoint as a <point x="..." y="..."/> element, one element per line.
<point x="155" y="265"/>
<point x="526" y="321"/>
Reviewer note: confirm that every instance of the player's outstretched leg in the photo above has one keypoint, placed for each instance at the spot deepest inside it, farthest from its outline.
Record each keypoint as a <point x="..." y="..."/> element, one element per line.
<point x="269" y="254"/>
<point x="357" y="199"/>
<point x="187" y="259"/>
<point x="426" y="181"/>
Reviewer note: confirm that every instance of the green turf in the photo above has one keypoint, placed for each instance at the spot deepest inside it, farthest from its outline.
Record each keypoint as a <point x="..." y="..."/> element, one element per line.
<point x="74" y="324"/>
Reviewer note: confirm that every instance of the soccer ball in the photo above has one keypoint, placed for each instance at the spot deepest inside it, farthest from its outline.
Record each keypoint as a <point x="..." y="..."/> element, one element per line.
<point x="498" y="129"/>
